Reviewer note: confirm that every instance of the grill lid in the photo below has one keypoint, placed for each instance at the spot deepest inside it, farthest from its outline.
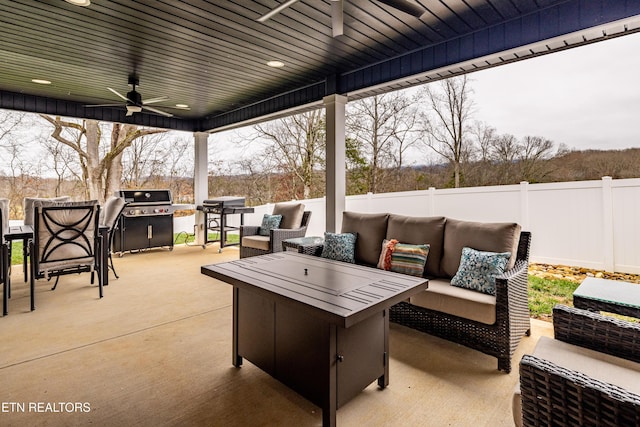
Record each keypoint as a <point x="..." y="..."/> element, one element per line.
<point x="146" y="197"/>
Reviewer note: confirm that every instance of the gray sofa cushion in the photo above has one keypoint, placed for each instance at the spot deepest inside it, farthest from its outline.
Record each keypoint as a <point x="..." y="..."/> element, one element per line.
<point x="371" y="230"/>
<point x="441" y="296"/>
<point x="419" y="230"/>
<point x="482" y="236"/>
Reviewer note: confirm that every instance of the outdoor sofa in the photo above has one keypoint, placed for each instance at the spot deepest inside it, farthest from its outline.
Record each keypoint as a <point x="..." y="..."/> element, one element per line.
<point x="492" y="322"/>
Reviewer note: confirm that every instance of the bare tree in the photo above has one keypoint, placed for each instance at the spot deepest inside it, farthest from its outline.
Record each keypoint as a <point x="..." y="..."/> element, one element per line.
<point x="296" y="144"/>
<point x="447" y="121"/>
<point x="534" y="149"/>
<point x="382" y="127"/>
<point x="101" y="170"/>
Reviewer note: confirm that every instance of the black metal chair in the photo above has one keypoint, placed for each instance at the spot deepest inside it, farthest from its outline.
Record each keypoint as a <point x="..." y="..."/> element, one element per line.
<point x="66" y="240"/>
<point x="4" y="255"/>
<point x="113" y="208"/>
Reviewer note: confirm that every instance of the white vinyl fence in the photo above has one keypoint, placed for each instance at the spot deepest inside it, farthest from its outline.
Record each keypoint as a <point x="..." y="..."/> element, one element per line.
<point x="592" y="224"/>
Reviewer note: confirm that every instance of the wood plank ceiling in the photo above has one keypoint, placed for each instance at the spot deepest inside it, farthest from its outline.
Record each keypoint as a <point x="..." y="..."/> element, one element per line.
<point x="212" y="55"/>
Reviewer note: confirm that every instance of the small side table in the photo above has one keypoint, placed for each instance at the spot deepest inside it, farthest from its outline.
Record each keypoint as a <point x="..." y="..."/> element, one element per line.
<point x="304" y="245"/>
<point x="612" y="296"/>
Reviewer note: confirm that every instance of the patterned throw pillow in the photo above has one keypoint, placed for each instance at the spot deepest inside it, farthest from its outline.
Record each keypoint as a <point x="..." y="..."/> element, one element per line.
<point x="269" y="222"/>
<point x="403" y="257"/>
<point x="340" y="247"/>
<point x="478" y="270"/>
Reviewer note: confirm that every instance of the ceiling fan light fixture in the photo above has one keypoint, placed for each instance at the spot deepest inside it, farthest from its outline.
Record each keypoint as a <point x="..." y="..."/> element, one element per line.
<point x="275" y="64"/>
<point x="41" y="81"/>
<point x="182" y="105"/>
<point x="83" y="3"/>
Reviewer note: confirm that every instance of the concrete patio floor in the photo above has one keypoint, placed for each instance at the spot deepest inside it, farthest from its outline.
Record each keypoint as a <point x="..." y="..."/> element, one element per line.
<point x="156" y="350"/>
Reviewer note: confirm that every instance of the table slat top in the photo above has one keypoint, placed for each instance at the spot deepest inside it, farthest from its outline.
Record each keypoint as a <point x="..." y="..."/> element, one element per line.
<point x="344" y="292"/>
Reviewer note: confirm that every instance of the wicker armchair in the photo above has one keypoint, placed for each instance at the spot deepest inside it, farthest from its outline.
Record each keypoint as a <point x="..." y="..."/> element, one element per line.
<point x="276" y="236"/>
<point x="561" y="396"/>
<point x="499" y="339"/>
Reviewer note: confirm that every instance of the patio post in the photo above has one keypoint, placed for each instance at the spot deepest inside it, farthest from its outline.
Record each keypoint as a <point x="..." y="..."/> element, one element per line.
<point x="336" y="187"/>
<point x="200" y="181"/>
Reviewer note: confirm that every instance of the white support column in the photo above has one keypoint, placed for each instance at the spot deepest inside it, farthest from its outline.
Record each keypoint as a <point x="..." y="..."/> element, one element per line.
<point x="336" y="187"/>
<point x="200" y="180"/>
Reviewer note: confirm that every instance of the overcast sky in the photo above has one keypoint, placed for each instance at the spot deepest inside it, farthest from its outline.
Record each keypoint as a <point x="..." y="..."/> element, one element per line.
<point x="586" y="97"/>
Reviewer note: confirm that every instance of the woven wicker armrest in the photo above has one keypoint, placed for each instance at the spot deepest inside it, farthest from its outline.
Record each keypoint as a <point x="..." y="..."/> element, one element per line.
<point x="249" y="230"/>
<point x="280" y="234"/>
<point x="597" y="332"/>
<point x="553" y="395"/>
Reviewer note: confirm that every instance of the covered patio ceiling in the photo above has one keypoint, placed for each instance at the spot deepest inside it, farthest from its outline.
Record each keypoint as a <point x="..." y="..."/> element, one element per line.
<point x="212" y="55"/>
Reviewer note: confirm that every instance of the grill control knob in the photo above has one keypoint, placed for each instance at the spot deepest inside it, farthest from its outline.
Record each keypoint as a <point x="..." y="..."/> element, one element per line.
<point x="157" y="210"/>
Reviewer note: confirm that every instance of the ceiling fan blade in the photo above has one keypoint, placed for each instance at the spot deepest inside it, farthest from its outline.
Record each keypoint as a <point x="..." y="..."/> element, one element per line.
<point x="337" y="18"/>
<point x="154" y="110"/>
<point x="277" y="10"/>
<point x="405" y="6"/>
<point x="154" y="100"/>
<point x="103" y="105"/>
<point x="119" y="94"/>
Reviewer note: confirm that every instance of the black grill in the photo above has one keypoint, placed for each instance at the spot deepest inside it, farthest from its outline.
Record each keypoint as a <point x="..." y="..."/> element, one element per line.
<point x="215" y="217"/>
<point x="146" y="222"/>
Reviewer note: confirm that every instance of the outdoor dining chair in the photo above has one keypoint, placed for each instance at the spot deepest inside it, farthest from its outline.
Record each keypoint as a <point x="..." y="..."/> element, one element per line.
<point x="66" y="240"/>
<point x="113" y="208"/>
<point x="4" y="254"/>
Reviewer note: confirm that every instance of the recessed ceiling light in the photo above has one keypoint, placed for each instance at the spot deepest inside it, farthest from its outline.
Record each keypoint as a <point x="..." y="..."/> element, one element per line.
<point x="275" y="64"/>
<point x="41" y="82"/>
<point x="182" y="106"/>
<point x="80" y="2"/>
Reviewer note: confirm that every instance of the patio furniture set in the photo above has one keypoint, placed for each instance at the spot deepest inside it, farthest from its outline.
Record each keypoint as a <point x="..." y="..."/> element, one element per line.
<point x="587" y="375"/>
<point x="60" y="237"/>
<point x="274" y="292"/>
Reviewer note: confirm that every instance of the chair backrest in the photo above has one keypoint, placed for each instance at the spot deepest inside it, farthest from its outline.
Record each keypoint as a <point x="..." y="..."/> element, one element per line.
<point x="4" y="218"/>
<point x="28" y="204"/>
<point x="65" y="235"/>
<point x="4" y="226"/>
<point x="306" y="216"/>
<point x="113" y="207"/>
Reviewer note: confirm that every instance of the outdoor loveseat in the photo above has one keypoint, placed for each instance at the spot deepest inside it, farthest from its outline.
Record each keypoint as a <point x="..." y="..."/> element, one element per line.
<point x="492" y="322"/>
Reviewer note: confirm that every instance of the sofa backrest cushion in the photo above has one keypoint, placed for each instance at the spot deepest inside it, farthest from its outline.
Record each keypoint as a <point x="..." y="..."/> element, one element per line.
<point x="371" y="230"/>
<point x="291" y="214"/>
<point x="418" y="230"/>
<point x="482" y="236"/>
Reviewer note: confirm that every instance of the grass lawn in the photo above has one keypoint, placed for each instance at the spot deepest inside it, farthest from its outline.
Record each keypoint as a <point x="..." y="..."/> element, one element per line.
<point x="545" y="293"/>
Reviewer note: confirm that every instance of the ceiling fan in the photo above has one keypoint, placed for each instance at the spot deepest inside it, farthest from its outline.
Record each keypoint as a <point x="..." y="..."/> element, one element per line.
<point x="134" y="102"/>
<point x="337" y="19"/>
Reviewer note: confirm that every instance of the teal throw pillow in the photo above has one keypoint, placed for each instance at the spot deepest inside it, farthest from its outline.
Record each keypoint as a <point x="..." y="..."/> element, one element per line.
<point x="339" y="247"/>
<point x="478" y="270"/>
<point x="269" y="222"/>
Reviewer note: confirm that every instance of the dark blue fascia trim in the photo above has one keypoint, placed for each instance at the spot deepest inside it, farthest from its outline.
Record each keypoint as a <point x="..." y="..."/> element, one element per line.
<point x="56" y="107"/>
<point x="553" y="21"/>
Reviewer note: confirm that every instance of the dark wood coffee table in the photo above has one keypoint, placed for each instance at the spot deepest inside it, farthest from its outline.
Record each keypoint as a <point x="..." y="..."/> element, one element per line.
<point x="319" y="326"/>
<point x="612" y="296"/>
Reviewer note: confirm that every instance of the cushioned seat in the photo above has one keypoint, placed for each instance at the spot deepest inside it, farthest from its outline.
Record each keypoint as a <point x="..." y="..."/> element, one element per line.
<point x="264" y="239"/>
<point x="472" y="305"/>
<point x="589" y="374"/>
